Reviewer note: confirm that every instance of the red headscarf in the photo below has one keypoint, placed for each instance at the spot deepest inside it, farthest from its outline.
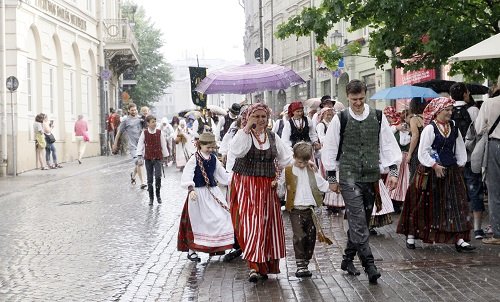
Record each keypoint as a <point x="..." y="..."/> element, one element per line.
<point x="390" y="111"/>
<point x="294" y="106"/>
<point x="434" y="107"/>
<point x="251" y="109"/>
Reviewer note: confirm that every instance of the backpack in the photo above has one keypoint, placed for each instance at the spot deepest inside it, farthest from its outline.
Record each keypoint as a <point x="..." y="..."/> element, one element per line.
<point x="462" y="119"/>
<point x="343" y="122"/>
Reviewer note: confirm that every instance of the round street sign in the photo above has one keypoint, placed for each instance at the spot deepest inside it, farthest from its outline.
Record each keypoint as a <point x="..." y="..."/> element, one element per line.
<point x="258" y="57"/>
<point x="12" y="83"/>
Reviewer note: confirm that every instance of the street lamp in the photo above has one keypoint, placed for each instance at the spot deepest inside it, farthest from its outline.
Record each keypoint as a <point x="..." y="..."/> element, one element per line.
<point x="336" y="38"/>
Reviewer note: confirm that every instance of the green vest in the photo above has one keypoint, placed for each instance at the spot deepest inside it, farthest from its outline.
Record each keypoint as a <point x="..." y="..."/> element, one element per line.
<point x="359" y="161"/>
<point x="291" y="188"/>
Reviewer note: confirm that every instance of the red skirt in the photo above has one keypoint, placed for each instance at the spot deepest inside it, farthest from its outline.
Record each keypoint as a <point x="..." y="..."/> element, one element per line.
<point x="256" y="215"/>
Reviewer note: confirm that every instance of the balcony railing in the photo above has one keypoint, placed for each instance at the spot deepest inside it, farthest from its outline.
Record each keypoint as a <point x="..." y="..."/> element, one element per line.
<point x="119" y="31"/>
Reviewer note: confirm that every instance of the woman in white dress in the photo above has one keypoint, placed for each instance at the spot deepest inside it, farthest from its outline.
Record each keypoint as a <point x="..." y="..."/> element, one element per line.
<point x="184" y="146"/>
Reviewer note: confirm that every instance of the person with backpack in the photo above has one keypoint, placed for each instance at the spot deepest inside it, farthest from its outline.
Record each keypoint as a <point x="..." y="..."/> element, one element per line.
<point x="226" y="121"/>
<point x="280" y="124"/>
<point x="464" y="113"/>
<point x="357" y="140"/>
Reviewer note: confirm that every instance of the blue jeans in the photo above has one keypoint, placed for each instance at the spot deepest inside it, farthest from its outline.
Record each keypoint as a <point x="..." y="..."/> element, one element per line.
<point x="474" y="184"/>
<point x="48" y="150"/>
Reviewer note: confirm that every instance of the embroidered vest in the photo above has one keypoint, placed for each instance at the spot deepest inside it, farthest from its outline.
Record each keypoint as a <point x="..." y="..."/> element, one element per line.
<point x="152" y="145"/>
<point x="298" y="135"/>
<point x="360" y="150"/>
<point x="445" y="146"/>
<point x="291" y="188"/>
<point x="209" y="165"/>
<point x="258" y="162"/>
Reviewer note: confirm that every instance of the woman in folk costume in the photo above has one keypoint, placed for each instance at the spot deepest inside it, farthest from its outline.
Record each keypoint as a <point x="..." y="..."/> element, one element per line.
<point x="184" y="145"/>
<point x="205" y="221"/>
<point x="400" y="130"/>
<point x="299" y="127"/>
<point x="436" y="208"/>
<point x="332" y="200"/>
<point x="255" y="208"/>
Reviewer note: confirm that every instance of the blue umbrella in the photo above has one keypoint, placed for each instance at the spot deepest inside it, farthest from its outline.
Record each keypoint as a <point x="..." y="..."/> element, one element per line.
<point x="404" y="92"/>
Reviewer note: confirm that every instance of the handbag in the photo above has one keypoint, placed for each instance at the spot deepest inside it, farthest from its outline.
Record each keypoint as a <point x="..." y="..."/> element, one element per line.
<point x="49" y="138"/>
<point x="40" y="140"/>
<point x="479" y="156"/>
<point x="86" y="137"/>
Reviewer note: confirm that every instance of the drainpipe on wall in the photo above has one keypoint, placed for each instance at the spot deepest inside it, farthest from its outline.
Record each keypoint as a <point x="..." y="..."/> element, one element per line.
<point x="102" y="93"/>
<point x="3" y="93"/>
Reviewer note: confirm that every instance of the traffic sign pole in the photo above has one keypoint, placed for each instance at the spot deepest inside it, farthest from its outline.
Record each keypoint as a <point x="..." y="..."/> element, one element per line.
<point x="12" y="85"/>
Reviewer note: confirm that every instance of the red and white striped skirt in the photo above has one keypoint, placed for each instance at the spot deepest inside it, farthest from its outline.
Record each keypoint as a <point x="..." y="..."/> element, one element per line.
<point x="256" y="214"/>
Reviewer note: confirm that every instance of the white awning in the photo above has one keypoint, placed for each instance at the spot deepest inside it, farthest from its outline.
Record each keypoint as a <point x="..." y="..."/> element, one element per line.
<point x="487" y="49"/>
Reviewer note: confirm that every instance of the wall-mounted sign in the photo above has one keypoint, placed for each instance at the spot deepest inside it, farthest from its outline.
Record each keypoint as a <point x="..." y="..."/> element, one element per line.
<point x="61" y="13"/>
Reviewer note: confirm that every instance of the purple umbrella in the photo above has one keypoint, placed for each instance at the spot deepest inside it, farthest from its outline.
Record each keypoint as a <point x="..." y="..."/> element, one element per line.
<point x="249" y="78"/>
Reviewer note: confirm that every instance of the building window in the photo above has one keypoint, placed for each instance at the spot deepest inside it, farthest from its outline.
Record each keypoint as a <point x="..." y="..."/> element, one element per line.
<point x="370" y="85"/>
<point x="29" y="85"/>
<point x="51" y="90"/>
<point x="72" y="92"/>
<point x="89" y="90"/>
<point x="89" y="5"/>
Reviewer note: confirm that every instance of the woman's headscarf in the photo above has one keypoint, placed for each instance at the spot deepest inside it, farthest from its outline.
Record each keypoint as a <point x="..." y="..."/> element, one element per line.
<point x="322" y="112"/>
<point x="390" y="112"/>
<point x="294" y="106"/>
<point x="251" y="109"/>
<point x="434" y="107"/>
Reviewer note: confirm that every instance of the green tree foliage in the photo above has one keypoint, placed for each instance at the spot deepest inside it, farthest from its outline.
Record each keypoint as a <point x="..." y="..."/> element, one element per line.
<point x="409" y="34"/>
<point x="153" y="75"/>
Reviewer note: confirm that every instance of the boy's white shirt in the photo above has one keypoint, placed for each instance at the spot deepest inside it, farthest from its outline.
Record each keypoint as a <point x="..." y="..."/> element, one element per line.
<point x="303" y="193"/>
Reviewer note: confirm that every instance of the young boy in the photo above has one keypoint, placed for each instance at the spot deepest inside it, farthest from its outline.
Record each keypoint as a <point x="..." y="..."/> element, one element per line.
<point x="303" y="193"/>
<point x="153" y="148"/>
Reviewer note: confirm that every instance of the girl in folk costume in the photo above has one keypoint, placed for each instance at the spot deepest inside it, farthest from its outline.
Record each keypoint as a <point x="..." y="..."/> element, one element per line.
<point x="184" y="145"/>
<point x="299" y="127"/>
<point x="255" y="208"/>
<point x="436" y="207"/>
<point x="333" y="201"/>
<point x="205" y="221"/>
<point x="401" y="132"/>
<point x="381" y="214"/>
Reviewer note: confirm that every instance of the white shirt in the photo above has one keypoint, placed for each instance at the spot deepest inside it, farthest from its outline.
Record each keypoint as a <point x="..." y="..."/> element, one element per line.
<point x="226" y="140"/>
<point x="141" y="145"/>
<point x="320" y="130"/>
<point x="473" y="111"/>
<point x="242" y="142"/>
<point x="287" y="131"/>
<point x="303" y="193"/>
<point x="276" y="126"/>
<point x="389" y="152"/>
<point x="490" y="110"/>
<point x="424" y="148"/>
<point x="214" y="128"/>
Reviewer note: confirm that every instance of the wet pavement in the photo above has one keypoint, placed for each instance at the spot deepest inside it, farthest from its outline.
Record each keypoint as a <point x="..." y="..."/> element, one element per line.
<point x="83" y="233"/>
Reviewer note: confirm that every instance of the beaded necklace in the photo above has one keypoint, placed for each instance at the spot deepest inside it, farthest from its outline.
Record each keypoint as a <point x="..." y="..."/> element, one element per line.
<point x="300" y="125"/>
<point x="257" y="137"/>
<point x="443" y="127"/>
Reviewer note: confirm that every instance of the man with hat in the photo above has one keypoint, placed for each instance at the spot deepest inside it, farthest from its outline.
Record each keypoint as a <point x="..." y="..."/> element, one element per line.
<point x="226" y="121"/>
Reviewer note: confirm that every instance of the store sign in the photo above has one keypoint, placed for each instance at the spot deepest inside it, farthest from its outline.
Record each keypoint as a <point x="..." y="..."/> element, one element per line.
<point x="413" y="77"/>
<point x="61" y="13"/>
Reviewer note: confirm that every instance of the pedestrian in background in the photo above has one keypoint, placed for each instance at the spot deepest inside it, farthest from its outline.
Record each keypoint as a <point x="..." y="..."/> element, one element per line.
<point x="255" y="208"/>
<point x="50" y="149"/>
<point x="489" y="114"/>
<point x="40" y="142"/>
<point x="132" y="126"/>
<point x="152" y="147"/>
<point x="184" y="146"/>
<point x="205" y="220"/>
<point x="417" y="106"/>
<point x="81" y="136"/>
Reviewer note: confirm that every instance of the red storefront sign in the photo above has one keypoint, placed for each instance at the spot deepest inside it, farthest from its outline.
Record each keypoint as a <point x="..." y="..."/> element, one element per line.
<point x="412" y="77"/>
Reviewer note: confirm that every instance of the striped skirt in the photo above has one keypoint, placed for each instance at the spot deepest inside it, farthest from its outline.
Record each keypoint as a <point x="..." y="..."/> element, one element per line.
<point x="435" y="209"/>
<point x="399" y="193"/>
<point x="256" y="215"/>
<point x="382" y="217"/>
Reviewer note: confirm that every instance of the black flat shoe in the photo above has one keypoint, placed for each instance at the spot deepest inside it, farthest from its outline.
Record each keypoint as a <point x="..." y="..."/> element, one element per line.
<point x="348" y="266"/>
<point x="232" y="255"/>
<point x="373" y="231"/>
<point x="194" y="257"/>
<point x="464" y="248"/>
<point x="410" y="246"/>
<point x="373" y="274"/>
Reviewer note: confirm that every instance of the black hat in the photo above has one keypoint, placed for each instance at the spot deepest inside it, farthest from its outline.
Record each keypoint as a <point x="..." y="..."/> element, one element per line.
<point x="325" y="99"/>
<point x="235" y="108"/>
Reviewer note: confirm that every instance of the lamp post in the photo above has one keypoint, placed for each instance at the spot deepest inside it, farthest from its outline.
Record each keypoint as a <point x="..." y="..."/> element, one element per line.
<point x="336" y="39"/>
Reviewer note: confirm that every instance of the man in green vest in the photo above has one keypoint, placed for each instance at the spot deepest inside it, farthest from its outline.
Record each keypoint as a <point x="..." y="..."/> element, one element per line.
<point x="358" y="142"/>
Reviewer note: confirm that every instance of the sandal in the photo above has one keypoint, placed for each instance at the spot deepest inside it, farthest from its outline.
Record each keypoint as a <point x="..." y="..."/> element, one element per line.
<point x="303" y="272"/>
<point x="44" y="168"/>
<point x="193" y="257"/>
<point x="58" y="166"/>
<point x="253" y="276"/>
<point x="132" y="179"/>
<point x="143" y="186"/>
<point x="233" y="254"/>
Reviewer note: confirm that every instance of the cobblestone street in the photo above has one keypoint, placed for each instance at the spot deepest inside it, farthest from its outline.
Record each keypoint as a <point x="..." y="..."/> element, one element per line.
<point x="83" y="233"/>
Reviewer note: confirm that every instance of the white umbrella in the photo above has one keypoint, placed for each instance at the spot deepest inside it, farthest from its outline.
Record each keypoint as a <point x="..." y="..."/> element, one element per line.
<point x="487" y="49"/>
<point x="216" y="109"/>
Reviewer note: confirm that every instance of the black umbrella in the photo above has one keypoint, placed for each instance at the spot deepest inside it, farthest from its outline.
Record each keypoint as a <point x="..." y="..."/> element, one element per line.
<point x="444" y="86"/>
